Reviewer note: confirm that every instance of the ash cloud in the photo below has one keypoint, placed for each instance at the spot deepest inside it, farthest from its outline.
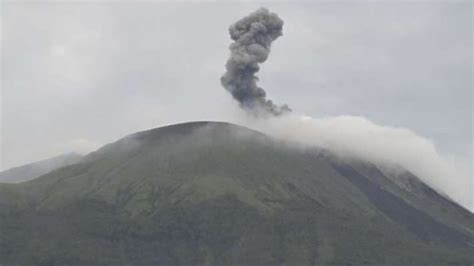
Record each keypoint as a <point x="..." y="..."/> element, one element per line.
<point x="253" y="36"/>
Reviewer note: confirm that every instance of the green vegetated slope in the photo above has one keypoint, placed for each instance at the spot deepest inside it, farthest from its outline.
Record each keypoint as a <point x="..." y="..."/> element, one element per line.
<point x="208" y="193"/>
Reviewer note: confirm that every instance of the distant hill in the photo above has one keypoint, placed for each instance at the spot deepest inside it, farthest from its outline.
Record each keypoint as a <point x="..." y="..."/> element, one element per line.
<point x="208" y="193"/>
<point x="32" y="170"/>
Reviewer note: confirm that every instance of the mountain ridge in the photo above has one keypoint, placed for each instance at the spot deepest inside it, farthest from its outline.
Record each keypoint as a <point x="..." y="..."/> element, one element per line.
<point x="35" y="169"/>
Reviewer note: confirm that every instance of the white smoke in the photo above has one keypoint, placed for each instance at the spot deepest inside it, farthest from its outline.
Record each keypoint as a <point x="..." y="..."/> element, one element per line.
<point x="358" y="137"/>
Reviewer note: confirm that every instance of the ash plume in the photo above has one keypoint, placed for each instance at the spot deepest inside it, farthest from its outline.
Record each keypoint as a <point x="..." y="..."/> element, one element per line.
<point x="253" y="36"/>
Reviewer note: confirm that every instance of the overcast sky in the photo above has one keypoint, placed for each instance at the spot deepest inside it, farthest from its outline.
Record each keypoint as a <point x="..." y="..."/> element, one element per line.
<point x="77" y="76"/>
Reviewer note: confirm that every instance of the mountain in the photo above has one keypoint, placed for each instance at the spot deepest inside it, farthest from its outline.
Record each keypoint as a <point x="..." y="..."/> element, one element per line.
<point x="210" y="193"/>
<point x="29" y="171"/>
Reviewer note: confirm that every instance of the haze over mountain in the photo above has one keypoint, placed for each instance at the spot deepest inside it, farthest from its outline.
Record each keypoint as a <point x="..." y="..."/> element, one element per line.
<point x="32" y="170"/>
<point x="207" y="193"/>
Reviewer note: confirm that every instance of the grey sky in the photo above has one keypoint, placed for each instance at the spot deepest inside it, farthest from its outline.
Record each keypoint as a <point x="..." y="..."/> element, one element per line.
<point x="76" y="76"/>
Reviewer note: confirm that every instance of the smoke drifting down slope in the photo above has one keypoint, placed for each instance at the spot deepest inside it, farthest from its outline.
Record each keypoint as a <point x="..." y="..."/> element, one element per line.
<point x="353" y="137"/>
<point x="253" y="36"/>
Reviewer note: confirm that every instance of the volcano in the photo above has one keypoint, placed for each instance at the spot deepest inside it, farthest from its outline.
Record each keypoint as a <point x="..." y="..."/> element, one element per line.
<point x="213" y="193"/>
